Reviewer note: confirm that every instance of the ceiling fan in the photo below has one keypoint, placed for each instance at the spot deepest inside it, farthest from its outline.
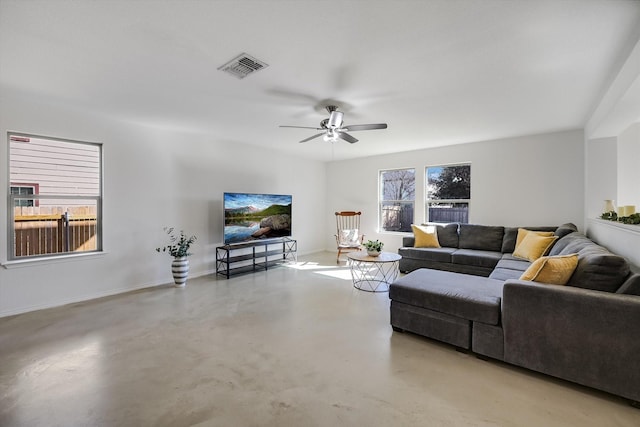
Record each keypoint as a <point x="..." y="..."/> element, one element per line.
<point x="332" y="128"/>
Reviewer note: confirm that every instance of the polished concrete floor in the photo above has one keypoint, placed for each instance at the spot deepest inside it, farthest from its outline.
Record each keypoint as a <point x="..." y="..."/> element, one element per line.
<point x="293" y="346"/>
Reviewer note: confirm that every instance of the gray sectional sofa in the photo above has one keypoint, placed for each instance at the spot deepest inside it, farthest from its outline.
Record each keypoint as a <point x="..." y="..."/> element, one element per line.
<point x="469" y="248"/>
<point x="470" y="295"/>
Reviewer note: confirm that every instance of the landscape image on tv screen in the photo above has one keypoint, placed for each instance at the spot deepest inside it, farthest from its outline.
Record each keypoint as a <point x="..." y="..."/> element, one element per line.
<point x="250" y="216"/>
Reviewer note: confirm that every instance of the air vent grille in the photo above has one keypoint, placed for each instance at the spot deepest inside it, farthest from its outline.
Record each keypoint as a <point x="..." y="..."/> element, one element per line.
<point x="243" y="65"/>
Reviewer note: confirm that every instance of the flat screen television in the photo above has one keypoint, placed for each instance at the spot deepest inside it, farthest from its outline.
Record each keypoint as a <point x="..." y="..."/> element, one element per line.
<point x="250" y="216"/>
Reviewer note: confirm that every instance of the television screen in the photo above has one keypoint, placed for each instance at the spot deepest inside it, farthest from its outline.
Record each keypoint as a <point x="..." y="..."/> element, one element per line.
<point x="250" y="216"/>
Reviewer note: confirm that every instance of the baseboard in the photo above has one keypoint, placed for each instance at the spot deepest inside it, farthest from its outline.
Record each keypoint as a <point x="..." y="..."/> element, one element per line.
<point x="93" y="296"/>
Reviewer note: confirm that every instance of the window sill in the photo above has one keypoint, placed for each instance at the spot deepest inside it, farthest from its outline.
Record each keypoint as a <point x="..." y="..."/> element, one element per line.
<point x="19" y="263"/>
<point x="632" y="228"/>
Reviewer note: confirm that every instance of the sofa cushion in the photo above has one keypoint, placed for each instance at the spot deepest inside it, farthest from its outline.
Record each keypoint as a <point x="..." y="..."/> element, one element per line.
<point x="555" y="270"/>
<point x="465" y="296"/>
<point x="427" y="254"/>
<point x="504" y="274"/>
<point x="408" y="241"/>
<point x="511" y="234"/>
<point x="597" y="269"/>
<point x="448" y="235"/>
<point x="565" y="229"/>
<point x="476" y="257"/>
<point x="509" y="267"/>
<point x="533" y="246"/>
<point x="482" y="237"/>
<point x="426" y="236"/>
<point x="631" y="286"/>
<point x="569" y="244"/>
<point x="513" y="263"/>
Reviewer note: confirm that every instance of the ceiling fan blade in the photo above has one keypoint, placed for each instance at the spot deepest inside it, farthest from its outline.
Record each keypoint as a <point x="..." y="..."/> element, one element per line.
<point x="301" y="127"/>
<point x="366" y="127"/>
<point x="312" y="137"/>
<point x="346" y="137"/>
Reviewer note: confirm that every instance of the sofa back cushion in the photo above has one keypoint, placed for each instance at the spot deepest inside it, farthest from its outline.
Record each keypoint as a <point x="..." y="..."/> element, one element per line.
<point x="631" y="286"/>
<point x="483" y="237"/>
<point x="408" y="241"/>
<point x="571" y="243"/>
<point x="448" y="235"/>
<point x="598" y="269"/>
<point x="511" y="234"/>
<point x="565" y="229"/>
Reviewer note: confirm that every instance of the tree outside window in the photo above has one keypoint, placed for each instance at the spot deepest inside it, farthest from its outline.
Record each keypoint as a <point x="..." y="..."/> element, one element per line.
<point x="397" y="198"/>
<point x="448" y="193"/>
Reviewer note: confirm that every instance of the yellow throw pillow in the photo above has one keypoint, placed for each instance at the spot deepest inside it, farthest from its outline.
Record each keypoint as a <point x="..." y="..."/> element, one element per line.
<point x="523" y="232"/>
<point x="555" y="270"/>
<point x="533" y="246"/>
<point x="426" y="236"/>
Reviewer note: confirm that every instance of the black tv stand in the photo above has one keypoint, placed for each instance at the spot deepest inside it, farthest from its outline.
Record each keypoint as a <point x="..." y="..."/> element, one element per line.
<point x="255" y="255"/>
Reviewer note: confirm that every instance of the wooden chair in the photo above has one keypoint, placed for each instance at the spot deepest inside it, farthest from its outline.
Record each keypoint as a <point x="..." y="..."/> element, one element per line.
<point x="348" y="236"/>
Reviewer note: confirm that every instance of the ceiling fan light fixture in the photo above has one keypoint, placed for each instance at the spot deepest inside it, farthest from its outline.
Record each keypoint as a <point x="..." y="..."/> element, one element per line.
<point x="335" y="120"/>
<point x="332" y="130"/>
<point x="330" y="136"/>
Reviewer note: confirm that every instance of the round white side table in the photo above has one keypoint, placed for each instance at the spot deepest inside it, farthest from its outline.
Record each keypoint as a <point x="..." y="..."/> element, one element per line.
<point x="373" y="274"/>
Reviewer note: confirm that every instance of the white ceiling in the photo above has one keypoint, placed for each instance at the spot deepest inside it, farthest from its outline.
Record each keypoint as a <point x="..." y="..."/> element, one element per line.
<point x="438" y="72"/>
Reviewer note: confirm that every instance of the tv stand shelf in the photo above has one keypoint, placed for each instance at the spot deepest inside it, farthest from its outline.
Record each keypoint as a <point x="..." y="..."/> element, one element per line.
<point x="255" y="255"/>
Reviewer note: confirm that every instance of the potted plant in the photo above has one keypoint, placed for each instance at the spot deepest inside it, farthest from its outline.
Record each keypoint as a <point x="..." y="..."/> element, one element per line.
<point x="178" y="248"/>
<point x="373" y="247"/>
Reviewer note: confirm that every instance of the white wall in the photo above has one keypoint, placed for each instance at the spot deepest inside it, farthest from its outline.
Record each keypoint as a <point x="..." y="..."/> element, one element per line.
<point x="617" y="118"/>
<point x="152" y="178"/>
<point x="525" y="181"/>
<point x="601" y="175"/>
<point x="612" y="173"/>
<point x="628" y="170"/>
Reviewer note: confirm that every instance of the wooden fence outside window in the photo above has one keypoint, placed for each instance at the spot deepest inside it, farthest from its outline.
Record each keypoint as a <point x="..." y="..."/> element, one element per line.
<point x="54" y="230"/>
<point x="448" y="215"/>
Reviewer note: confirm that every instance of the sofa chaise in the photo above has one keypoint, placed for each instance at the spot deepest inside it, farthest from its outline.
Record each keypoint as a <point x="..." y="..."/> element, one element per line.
<point x="471" y="295"/>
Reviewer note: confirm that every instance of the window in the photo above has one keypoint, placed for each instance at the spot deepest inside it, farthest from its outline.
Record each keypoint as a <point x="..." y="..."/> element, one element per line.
<point x="55" y="195"/>
<point x="448" y="193"/>
<point x="397" y="198"/>
<point x="22" y="190"/>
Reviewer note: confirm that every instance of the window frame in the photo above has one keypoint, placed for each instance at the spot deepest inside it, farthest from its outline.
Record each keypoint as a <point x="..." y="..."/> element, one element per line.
<point x="428" y="201"/>
<point x="98" y="199"/>
<point x="382" y="201"/>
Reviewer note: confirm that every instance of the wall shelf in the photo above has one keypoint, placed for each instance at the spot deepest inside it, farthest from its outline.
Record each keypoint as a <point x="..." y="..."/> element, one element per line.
<point x="256" y="255"/>
<point x="632" y="228"/>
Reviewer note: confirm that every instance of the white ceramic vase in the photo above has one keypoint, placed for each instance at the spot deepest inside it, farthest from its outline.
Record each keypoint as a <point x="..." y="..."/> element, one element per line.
<point x="373" y="253"/>
<point x="609" y="206"/>
<point x="180" y="271"/>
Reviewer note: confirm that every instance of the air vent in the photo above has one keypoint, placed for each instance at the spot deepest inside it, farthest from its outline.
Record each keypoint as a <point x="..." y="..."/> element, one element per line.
<point x="243" y="65"/>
